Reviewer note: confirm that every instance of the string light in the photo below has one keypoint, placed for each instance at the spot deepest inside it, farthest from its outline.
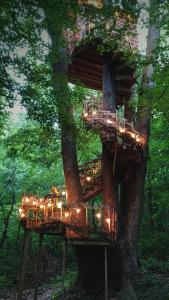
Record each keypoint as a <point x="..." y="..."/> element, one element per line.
<point x="133" y="135"/>
<point x="88" y="178"/>
<point x="85" y="114"/>
<point x="122" y="130"/>
<point x="27" y="199"/>
<point x="20" y="210"/>
<point x="98" y="215"/>
<point x="94" y="113"/>
<point x="59" y="205"/>
<point x="49" y="204"/>
<point x="108" y="222"/>
<point x="78" y="210"/>
<point x="22" y="215"/>
<point x="34" y="202"/>
<point x="66" y="214"/>
<point x="109" y="121"/>
<point x="63" y="193"/>
<point x="137" y="139"/>
<point x="41" y="206"/>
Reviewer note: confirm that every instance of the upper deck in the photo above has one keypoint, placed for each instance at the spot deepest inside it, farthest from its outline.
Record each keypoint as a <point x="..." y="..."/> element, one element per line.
<point x="86" y="43"/>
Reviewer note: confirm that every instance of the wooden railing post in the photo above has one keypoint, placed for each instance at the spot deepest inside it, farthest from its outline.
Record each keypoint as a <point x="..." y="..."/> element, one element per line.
<point x="37" y="268"/>
<point x="106" y="273"/>
<point x="23" y="266"/>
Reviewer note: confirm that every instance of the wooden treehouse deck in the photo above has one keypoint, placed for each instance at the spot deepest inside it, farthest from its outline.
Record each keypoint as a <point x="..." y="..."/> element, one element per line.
<point x="110" y="125"/>
<point x="86" y="64"/>
<point x="51" y="214"/>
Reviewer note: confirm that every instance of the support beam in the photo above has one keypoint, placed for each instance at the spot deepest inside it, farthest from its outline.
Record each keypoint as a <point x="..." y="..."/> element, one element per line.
<point x="37" y="268"/>
<point x="64" y="265"/>
<point x="106" y="273"/>
<point x="23" y="266"/>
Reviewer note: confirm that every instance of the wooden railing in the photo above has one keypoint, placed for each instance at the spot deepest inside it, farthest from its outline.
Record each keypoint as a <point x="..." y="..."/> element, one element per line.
<point x="107" y="122"/>
<point x="85" y="27"/>
<point x="81" y="218"/>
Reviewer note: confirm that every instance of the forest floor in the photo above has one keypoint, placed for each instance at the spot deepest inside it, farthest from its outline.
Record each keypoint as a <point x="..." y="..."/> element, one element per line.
<point x="152" y="285"/>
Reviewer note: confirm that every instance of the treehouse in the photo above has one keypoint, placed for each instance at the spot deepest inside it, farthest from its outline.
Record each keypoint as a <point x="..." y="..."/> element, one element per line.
<point x="110" y="72"/>
<point x="89" y="41"/>
<point x="81" y="222"/>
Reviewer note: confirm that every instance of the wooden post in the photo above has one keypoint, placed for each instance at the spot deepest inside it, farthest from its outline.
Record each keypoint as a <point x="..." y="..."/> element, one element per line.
<point x="37" y="268"/>
<point x="64" y="265"/>
<point x="23" y="266"/>
<point x="106" y="273"/>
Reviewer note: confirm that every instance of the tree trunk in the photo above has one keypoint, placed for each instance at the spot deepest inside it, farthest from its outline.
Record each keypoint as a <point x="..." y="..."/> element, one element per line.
<point x="133" y="185"/>
<point x="108" y="147"/>
<point x="6" y="222"/>
<point x="66" y="121"/>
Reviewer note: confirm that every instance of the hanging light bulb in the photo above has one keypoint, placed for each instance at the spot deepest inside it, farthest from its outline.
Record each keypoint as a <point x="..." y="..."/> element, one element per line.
<point x="20" y="210"/>
<point x="49" y="204"/>
<point x="85" y="114"/>
<point x="77" y="210"/>
<point x="41" y="206"/>
<point x="63" y="193"/>
<point x="88" y="178"/>
<point x="22" y="215"/>
<point x="34" y="202"/>
<point x="98" y="215"/>
<point x="109" y="121"/>
<point x="133" y="135"/>
<point x="59" y="205"/>
<point x="122" y="130"/>
<point x="66" y="214"/>
<point x="138" y="139"/>
<point x="94" y="113"/>
<point x="108" y="222"/>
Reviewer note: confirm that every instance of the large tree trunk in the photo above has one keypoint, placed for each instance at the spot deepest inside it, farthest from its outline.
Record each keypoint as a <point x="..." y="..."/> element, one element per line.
<point x="68" y="143"/>
<point x="108" y="147"/>
<point x="133" y="185"/>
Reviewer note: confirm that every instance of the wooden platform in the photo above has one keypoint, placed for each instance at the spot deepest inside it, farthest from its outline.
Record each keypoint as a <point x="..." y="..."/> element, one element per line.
<point x="86" y="67"/>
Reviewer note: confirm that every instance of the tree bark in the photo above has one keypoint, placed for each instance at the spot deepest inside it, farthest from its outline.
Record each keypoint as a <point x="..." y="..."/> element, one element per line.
<point x="133" y="185"/>
<point x="108" y="147"/>
<point x="6" y="222"/>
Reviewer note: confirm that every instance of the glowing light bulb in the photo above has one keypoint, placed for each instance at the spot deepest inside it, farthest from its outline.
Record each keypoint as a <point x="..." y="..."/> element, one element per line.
<point x="41" y="206"/>
<point x="138" y="139"/>
<point x="34" y="202"/>
<point x="85" y="114"/>
<point x="108" y="220"/>
<point x="41" y="200"/>
<point x="20" y="210"/>
<point x="66" y="214"/>
<point x="98" y="215"/>
<point x="63" y="193"/>
<point x="59" y="205"/>
<point x="27" y="199"/>
<point x="94" y="113"/>
<point x="133" y="135"/>
<point x="22" y="215"/>
<point x="49" y="204"/>
<point x="88" y="178"/>
<point x="121" y="129"/>
<point x="78" y="210"/>
<point x="109" y="121"/>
